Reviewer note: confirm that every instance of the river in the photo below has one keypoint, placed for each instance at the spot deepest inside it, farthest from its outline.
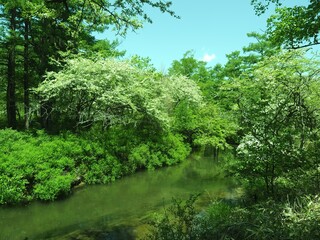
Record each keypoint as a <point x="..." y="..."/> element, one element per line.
<point x="93" y="209"/>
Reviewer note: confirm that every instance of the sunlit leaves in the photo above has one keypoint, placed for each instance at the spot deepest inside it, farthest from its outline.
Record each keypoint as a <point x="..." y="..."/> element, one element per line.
<point x="261" y="6"/>
<point x="293" y="27"/>
<point x="121" y="16"/>
<point x="278" y="117"/>
<point x="114" y="93"/>
<point x="213" y="127"/>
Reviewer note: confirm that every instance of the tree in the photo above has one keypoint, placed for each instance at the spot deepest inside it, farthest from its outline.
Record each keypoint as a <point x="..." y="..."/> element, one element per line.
<point x="11" y="69"/>
<point x="58" y="26"/>
<point x="240" y="63"/>
<point x="261" y="6"/>
<point x="196" y="70"/>
<point x="279" y="114"/>
<point x="206" y="125"/>
<point x="113" y="92"/>
<point x="190" y="67"/>
<point x="101" y="48"/>
<point x="294" y="27"/>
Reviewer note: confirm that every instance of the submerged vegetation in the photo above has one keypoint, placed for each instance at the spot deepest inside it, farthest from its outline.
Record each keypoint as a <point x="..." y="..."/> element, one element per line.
<point x="76" y="112"/>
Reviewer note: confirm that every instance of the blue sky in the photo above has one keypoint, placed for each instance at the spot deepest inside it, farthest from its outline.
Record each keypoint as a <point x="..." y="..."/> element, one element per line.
<point x="212" y="28"/>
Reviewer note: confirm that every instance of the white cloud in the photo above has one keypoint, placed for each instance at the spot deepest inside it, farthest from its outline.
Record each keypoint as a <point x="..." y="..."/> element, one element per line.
<point x="208" y="57"/>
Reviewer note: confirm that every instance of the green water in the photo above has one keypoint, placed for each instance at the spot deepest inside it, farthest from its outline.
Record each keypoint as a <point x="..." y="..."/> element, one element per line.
<point x="121" y="203"/>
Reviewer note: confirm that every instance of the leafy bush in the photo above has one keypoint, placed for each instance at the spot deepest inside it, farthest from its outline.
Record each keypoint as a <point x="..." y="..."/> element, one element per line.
<point x="301" y="218"/>
<point x="182" y="221"/>
<point x="101" y="171"/>
<point x="139" y="156"/>
<point x="177" y="223"/>
<point x="168" y="150"/>
<point x="12" y="189"/>
<point x="278" y="115"/>
<point x="221" y="220"/>
<point x="52" y="184"/>
<point x="113" y="93"/>
<point x="40" y="166"/>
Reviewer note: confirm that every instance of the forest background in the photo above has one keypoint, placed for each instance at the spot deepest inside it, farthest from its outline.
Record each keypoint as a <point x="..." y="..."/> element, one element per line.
<point x="73" y="110"/>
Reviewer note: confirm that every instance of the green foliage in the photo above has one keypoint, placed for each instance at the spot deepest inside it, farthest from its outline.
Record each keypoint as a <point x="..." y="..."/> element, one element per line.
<point x="270" y="220"/>
<point x="219" y="221"/>
<point x="301" y="218"/>
<point x="278" y="120"/>
<point x="196" y="70"/>
<point x="214" y="127"/>
<point x="167" y="150"/>
<point x="39" y="166"/>
<point x="177" y="222"/>
<point x="244" y="61"/>
<point x="190" y="67"/>
<point x="12" y="189"/>
<point x="104" y="170"/>
<point x="127" y="107"/>
<point x="293" y="27"/>
<point x="103" y="48"/>
<point x="51" y="183"/>
<point x="261" y="6"/>
<point x="266" y="220"/>
<point x="62" y="28"/>
<point x="114" y="93"/>
<point x="142" y="63"/>
<point x="207" y="124"/>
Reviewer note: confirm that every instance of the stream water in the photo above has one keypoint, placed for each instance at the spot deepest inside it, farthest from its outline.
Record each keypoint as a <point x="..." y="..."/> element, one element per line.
<point x="123" y="203"/>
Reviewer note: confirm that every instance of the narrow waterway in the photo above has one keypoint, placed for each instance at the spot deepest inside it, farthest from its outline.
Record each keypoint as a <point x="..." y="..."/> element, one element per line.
<point x="121" y="203"/>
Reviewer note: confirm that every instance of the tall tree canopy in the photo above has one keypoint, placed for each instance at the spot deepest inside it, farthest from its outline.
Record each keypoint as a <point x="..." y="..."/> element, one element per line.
<point x="58" y="26"/>
<point x="294" y="27"/>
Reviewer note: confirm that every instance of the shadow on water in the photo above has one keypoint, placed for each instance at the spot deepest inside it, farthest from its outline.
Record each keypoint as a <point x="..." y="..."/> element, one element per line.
<point x="113" y="211"/>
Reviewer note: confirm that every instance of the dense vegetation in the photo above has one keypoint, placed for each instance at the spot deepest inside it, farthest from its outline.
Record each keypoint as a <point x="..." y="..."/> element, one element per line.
<point x="273" y="93"/>
<point x="46" y="167"/>
<point x="298" y="219"/>
<point x="76" y="112"/>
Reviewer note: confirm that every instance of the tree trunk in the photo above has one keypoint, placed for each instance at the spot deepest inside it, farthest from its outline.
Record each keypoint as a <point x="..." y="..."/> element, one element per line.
<point x="26" y="81"/>
<point x="11" y="74"/>
<point x="44" y="62"/>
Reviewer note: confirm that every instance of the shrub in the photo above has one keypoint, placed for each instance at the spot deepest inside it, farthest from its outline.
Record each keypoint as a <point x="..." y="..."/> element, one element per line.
<point x="12" y="189"/>
<point x="40" y="166"/>
<point x="52" y="184"/>
<point x="101" y="171"/>
<point x="221" y="221"/>
<point x="302" y="218"/>
<point x="169" y="149"/>
<point x="177" y="223"/>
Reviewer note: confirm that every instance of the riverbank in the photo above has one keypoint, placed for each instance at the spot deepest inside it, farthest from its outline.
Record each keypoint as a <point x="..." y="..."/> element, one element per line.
<point x="39" y="166"/>
<point x="102" y="206"/>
